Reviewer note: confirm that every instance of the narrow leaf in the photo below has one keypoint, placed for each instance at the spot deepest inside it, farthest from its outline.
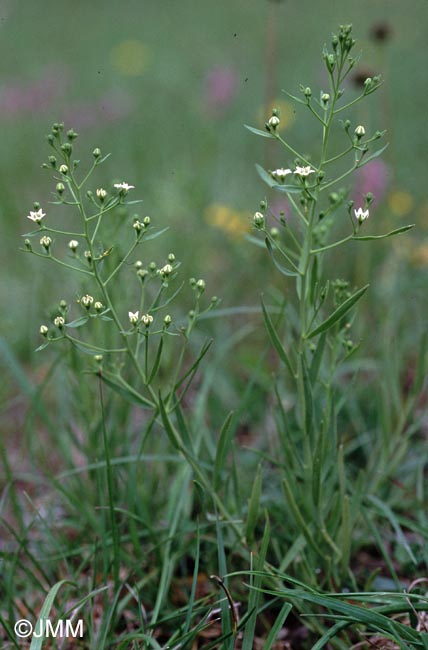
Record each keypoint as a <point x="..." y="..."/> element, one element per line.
<point x="170" y="430"/>
<point x="273" y="335"/>
<point x="156" y="362"/>
<point x="253" y="506"/>
<point x="37" y="641"/>
<point x="279" y="266"/>
<point x="78" y="322"/>
<point x="223" y="447"/>
<point x="338" y="313"/>
<point x="120" y="386"/>
<point x="277" y="626"/>
<point x="373" y="155"/>
<point x="264" y="134"/>
<point x="397" y="231"/>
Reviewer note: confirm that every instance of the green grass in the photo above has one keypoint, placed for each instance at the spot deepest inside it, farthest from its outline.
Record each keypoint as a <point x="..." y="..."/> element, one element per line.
<point x="120" y="514"/>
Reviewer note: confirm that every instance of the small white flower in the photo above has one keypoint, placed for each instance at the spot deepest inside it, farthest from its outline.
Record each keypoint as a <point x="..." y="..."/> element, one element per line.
<point x="361" y="215"/>
<point x="259" y="220"/>
<point x="63" y="169"/>
<point x="73" y="245"/>
<point x="86" y="301"/>
<point x="281" y="173"/>
<point x="124" y="186"/>
<point x="101" y="193"/>
<point x="133" y="317"/>
<point x="304" y="171"/>
<point x="274" y="121"/>
<point x="98" y="306"/>
<point x="146" y="319"/>
<point x="46" y="242"/>
<point x="360" y="131"/>
<point x="166" y="270"/>
<point x="43" y="330"/>
<point x="36" y="216"/>
<point x="59" y="321"/>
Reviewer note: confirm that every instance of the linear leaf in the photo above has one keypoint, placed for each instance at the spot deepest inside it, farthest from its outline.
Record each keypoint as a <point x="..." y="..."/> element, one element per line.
<point x="78" y="322"/>
<point x="338" y="313"/>
<point x="120" y="386"/>
<point x="253" y="506"/>
<point x="37" y="641"/>
<point x="264" y="134"/>
<point x="279" y="266"/>
<point x="373" y="155"/>
<point x="397" y="231"/>
<point x="222" y="449"/>
<point x="273" y="335"/>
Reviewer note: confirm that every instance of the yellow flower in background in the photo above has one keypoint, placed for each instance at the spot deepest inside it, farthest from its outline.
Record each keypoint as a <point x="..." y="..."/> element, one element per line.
<point x="233" y="223"/>
<point x="400" y="203"/>
<point x="419" y="256"/>
<point x="129" y="58"/>
<point x="286" y="113"/>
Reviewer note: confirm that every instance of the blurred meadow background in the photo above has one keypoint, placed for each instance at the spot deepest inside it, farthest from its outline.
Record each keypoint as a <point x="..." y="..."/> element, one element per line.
<point x="167" y="87"/>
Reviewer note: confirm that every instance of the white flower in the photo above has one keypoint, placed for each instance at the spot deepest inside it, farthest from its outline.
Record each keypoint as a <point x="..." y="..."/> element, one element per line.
<point x="166" y="270"/>
<point x="101" y="193"/>
<point x="63" y="169"/>
<point x="361" y="215"/>
<point x="304" y="171"/>
<point x="133" y="317"/>
<point x="43" y="330"/>
<point x="274" y="121"/>
<point x="46" y="242"/>
<point x="281" y="173"/>
<point x="73" y="244"/>
<point x="59" y="321"/>
<point x="36" y="216"/>
<point x="86" y="301"/>
<point x="98" y="306"/>
<point x="146" y="319"/>
<point x="124" y="186"/>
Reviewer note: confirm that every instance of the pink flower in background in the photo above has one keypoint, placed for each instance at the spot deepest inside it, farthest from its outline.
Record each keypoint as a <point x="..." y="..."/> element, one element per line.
<point x="109" y="108"/>
<point x="373" y="177"/>
<point x="20" y="98"/>
<point x="221" y="85"/>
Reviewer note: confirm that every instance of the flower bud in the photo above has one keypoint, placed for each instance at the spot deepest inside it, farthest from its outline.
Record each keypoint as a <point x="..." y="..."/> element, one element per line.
<point x="152" y="267"/>
<point x="46" y="242"/>
<point x="147" y="319"/>
<point x="86" y="301"/>
<point x="146" y="221"/>
<point x="259" y="220"/>
<point x="27" y="245"/>
<point x="59" y="322"/>
<point x="43" y="330"/>
<point x="52" y="161"/>
<point x="60" y="187"/>
<point x="360" y="132"/>
<point x="171" y="258"/>
<point x="138" y="265"/>
<point x="63" y="169"/>
<point x="98" y="358"/>
<point x="307" y="92"/>
<point x="96" y="153"/>
<point x="98" y="306"/>
<point x="330" y="62"/>
<point x="274" y="122"/>
<point x="67" y="148"/>
<point x="142" y="273"/>
<point x="88" y="256"/>
<point x="138" y="226"/>
<point x="263" y="205"/>
<point x="166" y="270"/>
<point x="101" y="193"/>
<point x="325" y="98"/>
<point x="200" y="285"/>
<point x="167" y="320"/>
<point x="72" y="135"/>
<point x="73" y="245"/>
<point x="274" y="233"/>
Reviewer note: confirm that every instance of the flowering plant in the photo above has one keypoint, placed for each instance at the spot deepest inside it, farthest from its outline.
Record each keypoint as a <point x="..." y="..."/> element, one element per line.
<point x="316" y="343"/>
